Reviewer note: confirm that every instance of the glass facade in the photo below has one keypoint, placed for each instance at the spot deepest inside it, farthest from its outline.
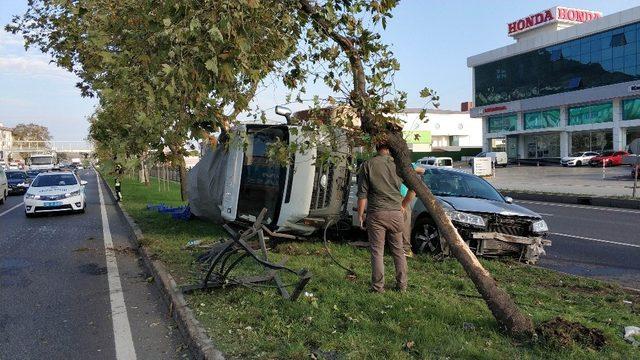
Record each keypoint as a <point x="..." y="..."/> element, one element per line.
<point x="598" y="141"/>
<point x="499" y="144"/>
<point x="591" y="114"/>
<point x="542" y="119"/>
<point x="542" y="146"/>
<point x="631" y="109"/>
<point x="632" y="134"/>
<point x="605" y="58"/>
<point x="500" y="123"/>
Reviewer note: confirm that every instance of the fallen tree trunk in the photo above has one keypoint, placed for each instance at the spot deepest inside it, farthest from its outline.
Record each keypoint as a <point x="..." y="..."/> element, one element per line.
<point x="499" y="302"/>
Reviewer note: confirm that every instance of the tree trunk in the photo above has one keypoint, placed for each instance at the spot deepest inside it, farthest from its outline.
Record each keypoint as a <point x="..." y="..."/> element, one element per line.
<point x="499" y="302"/>
<point x="182" y="168"/>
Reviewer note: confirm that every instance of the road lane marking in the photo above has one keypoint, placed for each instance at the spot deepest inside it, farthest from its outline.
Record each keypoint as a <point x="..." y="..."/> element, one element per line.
<point x="545" y="214"/>
<point x="586" y="207"/>
<point x="596" y="240"/>
<point x="15" y="207"/>
<point x="121" y="326"/>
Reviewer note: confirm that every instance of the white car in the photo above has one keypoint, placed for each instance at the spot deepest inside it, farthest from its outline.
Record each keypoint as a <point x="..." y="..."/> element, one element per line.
<point x="578" y="159"/>
<point x="54" y="192"/>
<point x="435" y="161"/>
<point x="4" y="186"/>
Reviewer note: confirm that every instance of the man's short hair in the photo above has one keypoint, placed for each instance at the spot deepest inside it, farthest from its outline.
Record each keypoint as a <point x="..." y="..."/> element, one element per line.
<point x="382" y="146"/>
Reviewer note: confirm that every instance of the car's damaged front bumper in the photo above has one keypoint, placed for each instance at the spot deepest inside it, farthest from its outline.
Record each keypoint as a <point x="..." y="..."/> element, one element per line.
<point x="527" y="249"/>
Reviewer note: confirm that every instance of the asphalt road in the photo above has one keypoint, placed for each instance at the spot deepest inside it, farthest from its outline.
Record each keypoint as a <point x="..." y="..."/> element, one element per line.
<point x="59" y="292"/>
<point x="592" y="241"/>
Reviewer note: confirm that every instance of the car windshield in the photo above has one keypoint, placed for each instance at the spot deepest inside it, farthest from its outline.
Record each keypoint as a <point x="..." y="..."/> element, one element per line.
<point x="577" y="154"/>
<point x="453" y="183"/>
<point x="16" y="175"/>
<point x="33" y="173"/>
<point x="55" y="180"/>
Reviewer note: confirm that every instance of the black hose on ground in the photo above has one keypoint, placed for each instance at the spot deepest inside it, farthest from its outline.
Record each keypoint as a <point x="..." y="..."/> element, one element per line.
<point x="326" y="247"/>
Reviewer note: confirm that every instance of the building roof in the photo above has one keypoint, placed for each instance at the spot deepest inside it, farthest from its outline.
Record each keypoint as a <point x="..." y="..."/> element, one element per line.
<point x="550" y="38"/>
<point x="433" y="111"/>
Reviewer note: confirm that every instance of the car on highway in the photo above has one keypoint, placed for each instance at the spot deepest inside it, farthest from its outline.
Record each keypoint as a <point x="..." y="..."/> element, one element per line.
<point x="578" y="159"/>
<point x="18" y="181"/>
<point x="55" y="192"/>
<point x="4" y="186"/>
<point x="488" y="222"/>
<point x="608" y="158"/>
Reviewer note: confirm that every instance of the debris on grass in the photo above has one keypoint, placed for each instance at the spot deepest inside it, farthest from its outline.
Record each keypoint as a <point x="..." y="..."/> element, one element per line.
<point x="632" y="335"/>
<point x="562" y="333"/>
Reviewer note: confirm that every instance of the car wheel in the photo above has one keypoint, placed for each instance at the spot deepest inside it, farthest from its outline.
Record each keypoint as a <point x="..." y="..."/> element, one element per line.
<point x="28" y="214"/>
<point x="425" y="237"/>
<point x="4" y="197"/>
<point x="579" y="163"/>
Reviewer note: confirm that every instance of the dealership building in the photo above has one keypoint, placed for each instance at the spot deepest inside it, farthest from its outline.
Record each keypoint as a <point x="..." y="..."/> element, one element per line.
<point x="570" y="83"/>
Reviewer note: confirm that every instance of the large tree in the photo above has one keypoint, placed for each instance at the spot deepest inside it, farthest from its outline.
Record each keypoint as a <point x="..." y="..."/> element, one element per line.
<point x="199" y="62"/>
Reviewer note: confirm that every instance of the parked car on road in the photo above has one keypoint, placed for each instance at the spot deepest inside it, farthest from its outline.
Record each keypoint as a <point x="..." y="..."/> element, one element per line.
<point x="498" y="158"/>
<point x="608" y="158"/>
<point x="487" y="221"/>
<point x="54" y="192"/>
<point x="4" y="186"/>
<point x="578" y="159"/>
<point x="436" y="161"/>
<point x="18" y="181"/>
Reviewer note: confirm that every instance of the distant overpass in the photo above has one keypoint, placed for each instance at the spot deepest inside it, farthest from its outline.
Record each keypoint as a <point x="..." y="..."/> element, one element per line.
<point x="26" y="146"/>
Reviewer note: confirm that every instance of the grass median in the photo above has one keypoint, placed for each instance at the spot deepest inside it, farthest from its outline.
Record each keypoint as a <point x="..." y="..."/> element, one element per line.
<point x="441" y="316"/>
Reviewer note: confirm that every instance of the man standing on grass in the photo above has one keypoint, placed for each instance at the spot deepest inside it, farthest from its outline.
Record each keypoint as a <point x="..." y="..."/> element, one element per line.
<point x="379" y="193"/>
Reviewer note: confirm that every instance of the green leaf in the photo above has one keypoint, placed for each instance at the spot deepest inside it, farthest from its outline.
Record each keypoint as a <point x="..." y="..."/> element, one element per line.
<point x="215" y="34"/>
<point x="166" y="68"/>
<point x="166" y="22"/>
<point x="194" y="24"/>
<point x="212" y="65"/>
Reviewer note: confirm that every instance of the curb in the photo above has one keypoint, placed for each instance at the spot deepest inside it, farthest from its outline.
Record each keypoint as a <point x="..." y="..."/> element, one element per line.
<point x="199" y="344"/>
<point x="574" y="199"/>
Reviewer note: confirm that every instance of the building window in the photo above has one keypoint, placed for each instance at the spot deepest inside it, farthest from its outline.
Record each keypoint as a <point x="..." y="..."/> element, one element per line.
<point x="605" y="58"/>
<point x="542" y="146"/>
<point x="591" y="114"/>
<point x="618" y="40"/>
<point x="500" y="123"/>
<point x="542" y="119"/>
<point x="598" y="141"/>
<point x="631" y="109"/>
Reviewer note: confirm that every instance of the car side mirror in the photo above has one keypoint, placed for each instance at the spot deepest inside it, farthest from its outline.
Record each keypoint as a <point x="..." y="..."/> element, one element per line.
<point x="284" y="111"/>
<point x="83" y="182"/>
<point x="508" y="199"/>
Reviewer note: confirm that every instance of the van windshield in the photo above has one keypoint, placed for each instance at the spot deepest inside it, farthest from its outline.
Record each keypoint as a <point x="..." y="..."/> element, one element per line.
<point x="42" y="160"/>
<point x="262" y="180"/>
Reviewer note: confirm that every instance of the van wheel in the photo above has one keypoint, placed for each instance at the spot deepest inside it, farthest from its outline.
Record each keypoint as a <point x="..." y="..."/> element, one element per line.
<point x="425" y="237"/>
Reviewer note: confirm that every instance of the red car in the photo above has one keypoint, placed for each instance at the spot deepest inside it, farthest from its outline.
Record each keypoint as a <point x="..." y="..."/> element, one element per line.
<point x="610" y="158"/>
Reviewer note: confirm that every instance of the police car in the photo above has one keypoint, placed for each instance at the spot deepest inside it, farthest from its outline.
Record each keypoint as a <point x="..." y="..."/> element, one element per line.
<point x="55" y="192"/>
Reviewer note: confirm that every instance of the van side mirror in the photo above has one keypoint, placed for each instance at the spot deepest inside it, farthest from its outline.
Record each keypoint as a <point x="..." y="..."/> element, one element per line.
<point x="83" y="182"/>
<point x="283" y="111"/>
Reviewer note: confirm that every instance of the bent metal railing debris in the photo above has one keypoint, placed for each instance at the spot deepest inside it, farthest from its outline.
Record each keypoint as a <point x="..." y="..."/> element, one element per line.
<point x="226" y="256"/>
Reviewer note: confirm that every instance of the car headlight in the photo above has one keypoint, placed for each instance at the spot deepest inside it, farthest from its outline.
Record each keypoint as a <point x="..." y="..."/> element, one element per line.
<point x="539" y="226"/>
<point x="31" y="196"/>
<point x="73" y="193"/>
<point x="465" y="218"/>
